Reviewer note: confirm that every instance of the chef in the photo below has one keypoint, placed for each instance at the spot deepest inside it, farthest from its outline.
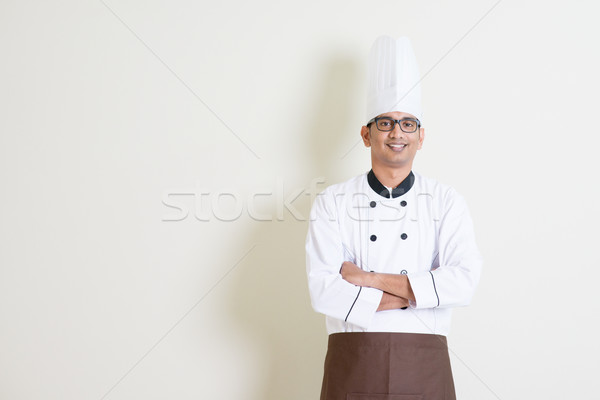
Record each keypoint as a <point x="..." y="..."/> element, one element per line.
<point x="390" y="252"/>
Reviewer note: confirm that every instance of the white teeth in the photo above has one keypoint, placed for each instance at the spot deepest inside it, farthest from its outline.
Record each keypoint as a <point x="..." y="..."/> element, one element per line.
<point x="397" y="146"/>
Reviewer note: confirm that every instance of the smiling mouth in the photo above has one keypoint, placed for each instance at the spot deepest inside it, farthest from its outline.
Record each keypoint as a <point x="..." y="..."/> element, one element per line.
<point x="396" y="147"/>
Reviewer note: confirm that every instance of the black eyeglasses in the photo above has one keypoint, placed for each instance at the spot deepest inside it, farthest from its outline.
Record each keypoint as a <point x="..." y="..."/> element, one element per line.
<point x="387" y="124"/>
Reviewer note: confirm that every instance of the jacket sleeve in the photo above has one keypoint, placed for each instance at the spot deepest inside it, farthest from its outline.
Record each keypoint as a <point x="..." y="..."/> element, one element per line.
<point x="330" y="294"/>
<point x="453" y="282"/>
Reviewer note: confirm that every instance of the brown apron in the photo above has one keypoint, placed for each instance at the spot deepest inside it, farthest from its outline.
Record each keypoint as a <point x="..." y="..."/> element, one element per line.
<point x="387" y="366"/>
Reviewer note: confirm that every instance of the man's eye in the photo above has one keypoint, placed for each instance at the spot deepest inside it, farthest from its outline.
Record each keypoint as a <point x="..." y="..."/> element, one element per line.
<point x="385" y="123"/>
<point x="409" y="124"/>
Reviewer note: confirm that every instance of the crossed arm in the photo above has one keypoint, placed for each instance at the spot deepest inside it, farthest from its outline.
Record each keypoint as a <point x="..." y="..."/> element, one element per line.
<point x="396" y="288"/>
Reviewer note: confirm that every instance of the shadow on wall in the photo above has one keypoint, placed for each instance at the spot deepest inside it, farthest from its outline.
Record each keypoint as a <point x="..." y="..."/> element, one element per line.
<point x="270" y="300"/>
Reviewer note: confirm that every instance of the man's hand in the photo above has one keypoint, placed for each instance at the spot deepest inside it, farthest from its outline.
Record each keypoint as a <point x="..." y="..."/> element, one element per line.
<point x="391" y="302"/>
<point x="353" y="274"/>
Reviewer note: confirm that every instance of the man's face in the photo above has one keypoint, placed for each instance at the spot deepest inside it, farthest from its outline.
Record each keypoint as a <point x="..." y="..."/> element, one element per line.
<point x="395" y="148"/>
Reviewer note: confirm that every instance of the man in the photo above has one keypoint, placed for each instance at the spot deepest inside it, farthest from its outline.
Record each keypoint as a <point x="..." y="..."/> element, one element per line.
<point x="389" y="253"/>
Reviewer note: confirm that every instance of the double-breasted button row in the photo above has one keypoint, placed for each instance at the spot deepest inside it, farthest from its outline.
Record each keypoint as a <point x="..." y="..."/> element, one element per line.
<point x="373" y="204"/>
<point x="404" y="236"/>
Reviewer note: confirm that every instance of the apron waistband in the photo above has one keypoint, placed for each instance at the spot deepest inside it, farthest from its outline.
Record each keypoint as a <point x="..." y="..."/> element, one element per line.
<point x="391" y="339"/>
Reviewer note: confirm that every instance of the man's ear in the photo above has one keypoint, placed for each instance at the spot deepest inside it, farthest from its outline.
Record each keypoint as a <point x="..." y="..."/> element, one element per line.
<point x="365" y="134"/>
<point x="421" y="137"/>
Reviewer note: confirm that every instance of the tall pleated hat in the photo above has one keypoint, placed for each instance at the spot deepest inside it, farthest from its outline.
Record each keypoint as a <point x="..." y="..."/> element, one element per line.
<point x="393" y="78"/>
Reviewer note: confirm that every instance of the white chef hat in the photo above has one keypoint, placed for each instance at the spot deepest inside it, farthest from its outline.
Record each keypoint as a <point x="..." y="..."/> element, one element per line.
<point x="393" y="78"/>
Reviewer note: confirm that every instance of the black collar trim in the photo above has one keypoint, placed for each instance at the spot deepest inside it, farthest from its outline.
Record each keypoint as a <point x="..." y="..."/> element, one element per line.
<point x="398" y="191"/>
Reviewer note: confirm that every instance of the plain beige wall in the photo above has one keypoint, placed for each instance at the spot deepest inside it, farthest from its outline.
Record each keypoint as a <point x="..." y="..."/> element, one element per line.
<point x="116" y="113"/>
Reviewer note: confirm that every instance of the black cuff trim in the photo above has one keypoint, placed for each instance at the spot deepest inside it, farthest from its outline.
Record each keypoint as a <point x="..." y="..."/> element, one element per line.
<point x="351" y="307"/>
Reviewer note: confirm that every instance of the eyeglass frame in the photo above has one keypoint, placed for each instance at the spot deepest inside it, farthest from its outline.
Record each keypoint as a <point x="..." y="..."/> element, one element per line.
<point x="396" y="121"/>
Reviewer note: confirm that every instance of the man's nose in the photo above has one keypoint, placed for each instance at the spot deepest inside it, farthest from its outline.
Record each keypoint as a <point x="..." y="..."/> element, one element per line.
<point x="396" y="132"/>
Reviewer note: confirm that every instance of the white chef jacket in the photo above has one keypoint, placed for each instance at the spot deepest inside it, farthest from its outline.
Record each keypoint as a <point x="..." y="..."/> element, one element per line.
<point x="422" y="229"/>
